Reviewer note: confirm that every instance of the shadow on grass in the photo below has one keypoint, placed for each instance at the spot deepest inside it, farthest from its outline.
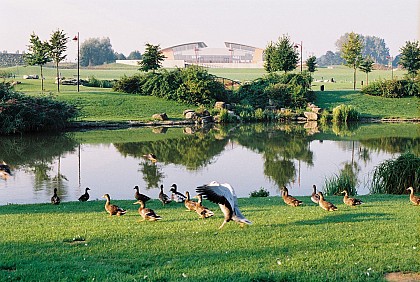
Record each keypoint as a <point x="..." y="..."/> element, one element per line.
<point x="340" y="218"/>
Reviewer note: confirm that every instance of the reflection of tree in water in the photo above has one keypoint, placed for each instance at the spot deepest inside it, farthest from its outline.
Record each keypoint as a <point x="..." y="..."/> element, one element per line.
<point x="393" y="145"/>
<point x="152" y="174"/>
<point x="279" y="145"/>
<point x="36" y="154"/>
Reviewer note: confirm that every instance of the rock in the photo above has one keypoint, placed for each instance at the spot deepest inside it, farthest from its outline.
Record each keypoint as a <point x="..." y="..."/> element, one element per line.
<point x="311" y="115"/>
<point x="219" y="105"/>
<point x="188" y="111"/>
<point x="190" y="115"/>
<point x="159" y="130"/>
<point x="161" y="116"/>
<point x="316" y="110"/>
<point x="207" y="119"/>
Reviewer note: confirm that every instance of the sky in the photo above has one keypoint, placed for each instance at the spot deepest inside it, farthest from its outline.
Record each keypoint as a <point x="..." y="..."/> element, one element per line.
<point x="130" y="24"/>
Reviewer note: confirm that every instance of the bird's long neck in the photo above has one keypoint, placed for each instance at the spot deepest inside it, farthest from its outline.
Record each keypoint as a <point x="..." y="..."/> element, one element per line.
<point x="187" y="194"/>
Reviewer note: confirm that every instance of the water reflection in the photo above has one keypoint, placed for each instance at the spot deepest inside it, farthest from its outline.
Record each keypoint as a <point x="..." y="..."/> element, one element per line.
<point x="247" y="156"/>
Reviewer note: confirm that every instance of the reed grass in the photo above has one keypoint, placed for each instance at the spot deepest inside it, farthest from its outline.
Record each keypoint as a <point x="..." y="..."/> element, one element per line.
<point x="394" y="176"/>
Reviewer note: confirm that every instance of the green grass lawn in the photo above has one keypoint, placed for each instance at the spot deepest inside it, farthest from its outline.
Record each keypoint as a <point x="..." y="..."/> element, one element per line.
<point x="79" y="242"/>
<point x="100" y="104"/>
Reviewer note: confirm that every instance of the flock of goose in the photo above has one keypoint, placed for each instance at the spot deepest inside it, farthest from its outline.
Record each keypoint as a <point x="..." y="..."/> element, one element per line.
<point x="222" y="194"/>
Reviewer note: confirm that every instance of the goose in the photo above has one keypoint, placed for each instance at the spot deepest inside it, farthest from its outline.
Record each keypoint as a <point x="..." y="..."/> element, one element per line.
<point x="413" y="198"/>
<point x="224" y="195"/>
<point x="290" y="200"/>
<point x="324" y="204"/>
<point x="146" y="213"/>
<point x="189" y="204"/>
<point x="5" y="170"/>
<point x="177" y="196"/>
<point x="202" y="211"/>
<point x="112" y="209"/>
<point x="350" y="201"/>
<point x="163" y="197"/>
<point x="55" y="200"/>
<point x="314" y="196"/>
<point x="139" y="196"/>
<point x="151" y="157"/>
<point x="85" y="196"/>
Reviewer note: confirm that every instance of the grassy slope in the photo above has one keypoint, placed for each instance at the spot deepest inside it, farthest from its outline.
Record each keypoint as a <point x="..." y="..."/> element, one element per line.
<point x="116" y="106"/>
<point x="284" y="243"/>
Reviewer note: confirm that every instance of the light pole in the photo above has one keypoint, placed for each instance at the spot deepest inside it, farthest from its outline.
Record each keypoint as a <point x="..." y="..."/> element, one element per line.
<point x="76" y="38"/>
<point x="392" y="67"/>
<point x="301" y="54"/>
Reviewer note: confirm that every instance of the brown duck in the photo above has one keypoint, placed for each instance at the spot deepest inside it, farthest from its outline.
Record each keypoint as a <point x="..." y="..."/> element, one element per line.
<point x="112" y="209"/>
<point x="290" y="200"/>
<point x="314" y="196"/>
<point x="140" y="197"/>
<point x="189" y="204"/>
<point x="55" y="200"/>
<point x="146" y="213"/>
<point x="413" y="198"/>
<point x="324" y="204"/>
<point x="202" y="211"/>
<point x="85" y="196"/>
<point x="350" y="201"/>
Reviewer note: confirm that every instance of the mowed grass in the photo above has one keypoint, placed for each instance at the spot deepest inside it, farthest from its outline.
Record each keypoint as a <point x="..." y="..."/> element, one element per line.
<point x="99" y="104"/>
<point x="79" y="242"/>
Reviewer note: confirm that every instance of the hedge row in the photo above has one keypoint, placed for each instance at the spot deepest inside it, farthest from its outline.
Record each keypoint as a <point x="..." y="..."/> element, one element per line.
<point x="393" y="88"/>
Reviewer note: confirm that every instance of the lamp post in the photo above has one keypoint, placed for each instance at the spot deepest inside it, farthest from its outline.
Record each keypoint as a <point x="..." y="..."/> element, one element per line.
<point x="76" y="38"/>
<point x="301" y="54"/>
<point x="392" y="67"/>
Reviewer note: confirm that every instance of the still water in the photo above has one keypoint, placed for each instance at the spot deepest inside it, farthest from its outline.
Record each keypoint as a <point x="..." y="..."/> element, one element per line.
<point x="248" y="157"/>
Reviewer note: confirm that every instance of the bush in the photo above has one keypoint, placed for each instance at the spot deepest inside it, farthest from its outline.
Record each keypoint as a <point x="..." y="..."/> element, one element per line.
<point x="259" y="193"/>
<point x="393" y="88"/>
<point x="345" y="113"/>
<point x="286" y="90"/>
<point x="193" y="85"/>
<point x="395" y="176"/>
<point x="20" y="113"/>
<point x="94" y="82"/>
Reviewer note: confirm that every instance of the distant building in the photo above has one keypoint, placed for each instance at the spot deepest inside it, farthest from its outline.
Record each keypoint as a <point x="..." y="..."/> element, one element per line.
<point x="234" y="55"/>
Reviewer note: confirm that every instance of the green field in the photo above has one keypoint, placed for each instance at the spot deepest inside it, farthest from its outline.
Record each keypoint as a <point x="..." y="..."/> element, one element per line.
<point x="99" y="104"/>
<point x="80" y="242"/>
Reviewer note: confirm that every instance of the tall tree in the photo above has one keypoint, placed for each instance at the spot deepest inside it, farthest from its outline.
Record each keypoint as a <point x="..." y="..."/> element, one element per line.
<point x="311" y="64"/>
<point x="351" y="52"/>
<point x="281" y="56"/>
<point x="38" y="54"/>
<point x="330" y="58"/>
<point x="366" y="66"/>
<point x="152" y="58"/>
<point x="96" y="51"/>
<point x="58" y="46"/>
<point x="134" y="55"/>
<point x="410" y="57"/>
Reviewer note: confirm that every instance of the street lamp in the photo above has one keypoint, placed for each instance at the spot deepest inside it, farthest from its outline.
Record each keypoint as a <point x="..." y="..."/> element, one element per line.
<point x="76" y="38"/>
<point x="301" y="54"/>
<point x="391" y="59"/>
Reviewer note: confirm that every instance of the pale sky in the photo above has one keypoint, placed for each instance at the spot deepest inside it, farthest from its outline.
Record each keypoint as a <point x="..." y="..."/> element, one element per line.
<point x="131" y="23"/>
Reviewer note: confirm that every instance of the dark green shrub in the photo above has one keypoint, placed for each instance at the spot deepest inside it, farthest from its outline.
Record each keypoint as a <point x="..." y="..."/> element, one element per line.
<point x="193" y="85"/>
<point x="395" y="175"/>
<point x="20" y="113"/>
<point x="393" y="88"/>
<point x="259" y="193"/>
<point x="94" y="82"/>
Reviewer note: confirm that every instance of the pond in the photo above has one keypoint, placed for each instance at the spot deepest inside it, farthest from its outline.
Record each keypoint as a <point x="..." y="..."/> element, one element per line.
<point x="249" y="157"/>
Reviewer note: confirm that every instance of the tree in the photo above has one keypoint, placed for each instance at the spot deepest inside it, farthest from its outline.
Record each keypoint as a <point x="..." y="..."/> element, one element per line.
<point x="373" y="47"/>
<point x="38" y="54"/>
<point x="330" y="58"/>
<point x="96" y="51"/>
<point x="134" y="55"/>
<point x="410" y="57"/>
<point x="152" y="58"/>
<point x="120" y="56"/>
<point x="351" y="52"/>
<point x="311" y="64"/>
<point x="57" y="43"/>
<point x="366" y="66"/>
<point x="281" y="56"/>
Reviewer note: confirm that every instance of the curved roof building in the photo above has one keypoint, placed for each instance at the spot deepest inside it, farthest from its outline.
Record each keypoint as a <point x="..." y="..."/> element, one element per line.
<point x="199" y="53"/>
